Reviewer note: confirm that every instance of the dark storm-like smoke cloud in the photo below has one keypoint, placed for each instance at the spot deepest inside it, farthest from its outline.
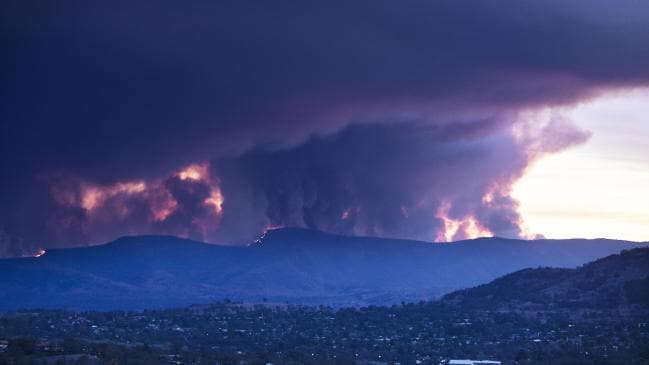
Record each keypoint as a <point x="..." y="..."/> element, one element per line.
<point x="89" y="213"/>
<point x="387" y="179"/>
<point x="383" y="179"/>
<point x="125" y="91"/>
<point x="124" y="81"/>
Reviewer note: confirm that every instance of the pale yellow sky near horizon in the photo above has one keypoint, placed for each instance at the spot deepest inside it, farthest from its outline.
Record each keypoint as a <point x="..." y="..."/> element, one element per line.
<point x="599" y="189"/>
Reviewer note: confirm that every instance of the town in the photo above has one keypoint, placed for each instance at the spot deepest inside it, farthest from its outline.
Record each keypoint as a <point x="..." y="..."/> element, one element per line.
<point x="236" y="333"/>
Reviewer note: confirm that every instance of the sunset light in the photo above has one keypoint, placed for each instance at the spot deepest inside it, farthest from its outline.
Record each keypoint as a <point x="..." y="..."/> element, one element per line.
<point x="409" y="182"/>
<point x="598" y="189"/>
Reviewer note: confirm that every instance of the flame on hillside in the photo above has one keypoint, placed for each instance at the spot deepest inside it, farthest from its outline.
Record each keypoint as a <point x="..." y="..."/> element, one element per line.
<point x="455" y="229"/>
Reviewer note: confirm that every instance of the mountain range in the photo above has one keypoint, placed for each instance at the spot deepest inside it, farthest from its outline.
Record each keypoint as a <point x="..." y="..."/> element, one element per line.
<point x="293" y="265"/>
<point x="618" y="283"/>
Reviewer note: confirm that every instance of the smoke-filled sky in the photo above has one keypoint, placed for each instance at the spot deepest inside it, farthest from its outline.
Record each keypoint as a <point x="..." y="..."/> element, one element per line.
<point x="219" y="120"/>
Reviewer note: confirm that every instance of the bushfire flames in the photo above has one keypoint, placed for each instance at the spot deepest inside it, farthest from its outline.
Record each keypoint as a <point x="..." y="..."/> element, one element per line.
<point x="150" y="204"/>
<point x="94" y="196"/>
<point x="161" y="201"/>
<point x="39" y="253"/>
<point x="457" y="229"/>
<point x="201" y="172"/>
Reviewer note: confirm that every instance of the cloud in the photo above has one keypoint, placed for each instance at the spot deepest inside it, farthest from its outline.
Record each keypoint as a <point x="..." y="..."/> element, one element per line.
<point x="12" y="246"/>
<point x="417" y="179"/>
<point x="187" y="203"/>
<point x="124" y="82"/>
<point x="122" y="93"/>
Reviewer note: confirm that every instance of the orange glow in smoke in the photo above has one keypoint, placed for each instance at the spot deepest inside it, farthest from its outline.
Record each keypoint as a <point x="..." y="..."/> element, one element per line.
<point x="197" y="171"/>
<point x="163" y="208"/>
<point x="457" y="229"/>
<point x="93" y="196"/>
<point x="123" y="201"/>
<point x="215" y="200"/>
<point x="474" y="229"/>
<point x="488" y="198"/>
<point x="39" y="253"/>
<point x="201" y="172"/>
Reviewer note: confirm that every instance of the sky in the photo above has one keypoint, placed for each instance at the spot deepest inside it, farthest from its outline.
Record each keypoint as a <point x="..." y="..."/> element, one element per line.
<point x="436" y="121"/>
<point x="553" y="195"/>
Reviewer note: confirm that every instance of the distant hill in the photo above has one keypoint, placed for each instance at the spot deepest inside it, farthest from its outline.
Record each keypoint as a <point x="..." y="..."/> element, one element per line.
<point x="286" y="265"/>
<point x="617" y="282"/>
<point x="597" y="313"/>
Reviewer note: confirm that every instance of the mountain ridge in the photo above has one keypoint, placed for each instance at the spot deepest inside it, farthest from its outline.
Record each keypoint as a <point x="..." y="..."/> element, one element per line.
<point x="518" y="318"/>
<point x="277" y="236"/>
<point x="617" y="282"/>
<point x="288" y="265"/>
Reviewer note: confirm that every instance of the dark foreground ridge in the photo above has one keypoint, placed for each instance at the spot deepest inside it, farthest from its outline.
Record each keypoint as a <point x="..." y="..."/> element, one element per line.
<point x="619" y="283"/>
<point x="595" y="314"/>
<point x="295" y="266"/>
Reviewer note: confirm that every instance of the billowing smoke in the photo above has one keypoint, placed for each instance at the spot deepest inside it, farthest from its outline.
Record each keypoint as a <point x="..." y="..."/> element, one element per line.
<point x="188" y="203"/>
<point x="214" y="120"/>
<point x="412" y="180"/>
<point x="416" y="179"/>
<point x="12" y="246"/>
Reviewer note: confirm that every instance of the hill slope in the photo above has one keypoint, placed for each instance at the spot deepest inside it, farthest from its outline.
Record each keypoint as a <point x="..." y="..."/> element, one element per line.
<point x="294" y="265"/>
<point x="593" y="314"/>
<point x="617" y="282"/>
